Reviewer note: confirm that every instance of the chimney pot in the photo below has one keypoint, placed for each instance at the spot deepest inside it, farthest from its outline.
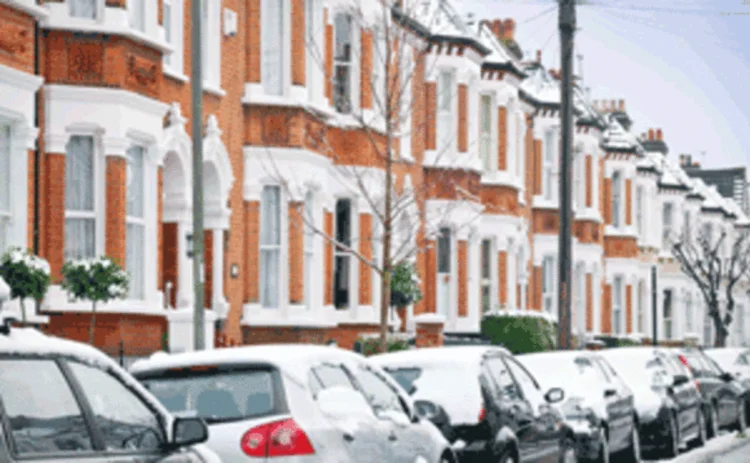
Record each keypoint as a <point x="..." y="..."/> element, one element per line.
<point x="613" y="105"/>
<point x="509" y="27"/>
<point x="658" y="134"/>
<point x="497" y="28"/>
<point x="539" y="56"/>
<point x="622" y="105"/>
<point x="650" y="134"/>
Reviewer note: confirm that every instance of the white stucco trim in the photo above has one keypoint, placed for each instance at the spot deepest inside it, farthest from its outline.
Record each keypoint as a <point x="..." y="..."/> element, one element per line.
<point x="460" y="215"/>
<point x="215" y="154"/>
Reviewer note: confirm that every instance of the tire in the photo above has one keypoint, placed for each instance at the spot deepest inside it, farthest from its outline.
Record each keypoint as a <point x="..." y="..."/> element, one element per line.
<point x="672" y="447"/>
<point x="713" y="422"/>
<point x="508" y="457"/>
<point x="742" y="417"/>
<point x="702" y="438"/>
<point x="633" y="453"/>
<point x="568" y="451"/>
<point x="603" y="455"/>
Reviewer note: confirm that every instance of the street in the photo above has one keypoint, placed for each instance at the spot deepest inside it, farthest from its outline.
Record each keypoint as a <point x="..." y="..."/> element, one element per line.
<point x="727" y="448"/>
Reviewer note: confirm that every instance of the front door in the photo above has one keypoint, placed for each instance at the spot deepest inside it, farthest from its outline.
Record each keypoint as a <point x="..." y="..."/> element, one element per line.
<point x="444" y="270"/>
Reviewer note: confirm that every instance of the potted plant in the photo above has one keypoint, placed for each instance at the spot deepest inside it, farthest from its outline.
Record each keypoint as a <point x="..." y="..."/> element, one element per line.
<point x="27" y="275"/>
<point x="94" y="280"/>
<point x="404" y="287"/>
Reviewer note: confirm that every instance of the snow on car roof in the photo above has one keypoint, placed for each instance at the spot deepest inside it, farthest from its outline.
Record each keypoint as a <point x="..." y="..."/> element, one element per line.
<point x="436" y="355"/>
<point x="289" y="357"/>
<point x="30" y="341"/>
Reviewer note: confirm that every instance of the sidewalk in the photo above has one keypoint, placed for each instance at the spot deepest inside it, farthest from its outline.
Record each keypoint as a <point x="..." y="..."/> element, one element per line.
<point x="729" y="448"/>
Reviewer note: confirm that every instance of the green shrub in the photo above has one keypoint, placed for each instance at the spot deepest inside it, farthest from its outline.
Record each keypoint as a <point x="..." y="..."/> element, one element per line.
<point x="371" y="346"/>
<point x="27" y="275"/>
<point x="614" y="341"/>
<point x="520" y="334"/>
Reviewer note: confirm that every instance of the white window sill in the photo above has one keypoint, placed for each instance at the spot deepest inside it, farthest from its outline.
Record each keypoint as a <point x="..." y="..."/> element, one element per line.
<point x="214" y="90"/>
<point x="588" y="214"/>
<point x="176" y="75"/>
<point x="501" y="178"/>
<point x="621" y="232"/>
<point x="540" y="202"/>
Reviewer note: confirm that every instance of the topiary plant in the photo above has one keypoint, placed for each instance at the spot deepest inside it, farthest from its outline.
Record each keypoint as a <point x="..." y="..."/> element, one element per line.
<point x="95" y="280"/>
<point x="405" y="285"/>
<point x="27" y="275"/>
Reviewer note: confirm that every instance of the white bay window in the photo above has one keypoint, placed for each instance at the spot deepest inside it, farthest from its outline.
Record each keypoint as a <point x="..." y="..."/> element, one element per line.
<point x="548" y="165"/>
<point x="446" y="129"/>
<point x="407" y="101"/>
<point x="486" y="275"/>
<point x="667" y="226"/>
<point x="211" y="45"/>
<point x="272" y="46"/>
<point x="618" y="310"/>
<point x="5" y="196"/>
<point x="617" y="198"/>
<point x="667" y="314"/>
<point x="137" y="14"/>
<point x="270" y="246"/>
<point x="511" y="144"/>
<point x="172" y="14"/>
<point x="80" y="211"/>
<point x="485" y="135"/>
<point x="314" y="61"/>
<point x="135" y="221"/>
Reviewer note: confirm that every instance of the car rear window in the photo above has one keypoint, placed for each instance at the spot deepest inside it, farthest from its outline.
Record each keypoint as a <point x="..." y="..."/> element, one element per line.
<point x="405" y="377"/>
<point x="217" y="395"/>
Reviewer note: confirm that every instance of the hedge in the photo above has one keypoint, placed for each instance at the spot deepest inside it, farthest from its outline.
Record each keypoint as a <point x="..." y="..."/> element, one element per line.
<point x="613" y="341"/>
<point x="371" y="345"/>
<point x="520" y="334"/>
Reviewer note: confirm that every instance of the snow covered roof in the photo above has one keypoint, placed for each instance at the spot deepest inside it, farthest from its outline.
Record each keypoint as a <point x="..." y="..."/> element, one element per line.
<point x="441" y="21"/>
<point x="650" y="162"/>
<point x="499" y="56"/>
<point x="539" y="86"/>
<point x="587" y="114"/>
<point x="616" y="138"/>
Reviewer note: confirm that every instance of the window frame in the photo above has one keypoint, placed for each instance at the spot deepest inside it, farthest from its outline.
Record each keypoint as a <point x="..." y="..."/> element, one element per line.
<point x="274" y="85"/>
<point x="486" y="134"/>
<point x="618" y="208"/>
<point x="174" y="61"/>
<point x="212" y="39"/>
<point x="350" y="64"/>
<point x="618" y="309"/>
<point x="97" y="5"/>
<point x="639" y="211"/>
<point x="447" y="123"/>
<point x="314" y="57"/>
<point x="277" y="247"/>
<point x="341" y="253"/>
<point x="140" y="222"/>
<point x="308" y="209"/>
<point x="548" y="163"/>
<point x="667" y="215"/>
<point x="96" y="214"/>
<point x="548" y="285"/>
<point x="486" y="282"/>
<point x="408" y="70"/>
<point x="667" y="321"/>
<point x="137" y="19"/>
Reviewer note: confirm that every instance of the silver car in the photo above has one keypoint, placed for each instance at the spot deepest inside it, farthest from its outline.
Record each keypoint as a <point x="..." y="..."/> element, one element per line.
<point x="295" y="404"/>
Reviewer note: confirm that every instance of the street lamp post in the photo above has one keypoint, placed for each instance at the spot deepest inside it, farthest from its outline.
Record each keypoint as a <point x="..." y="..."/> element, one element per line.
<point x="196" y="48"/>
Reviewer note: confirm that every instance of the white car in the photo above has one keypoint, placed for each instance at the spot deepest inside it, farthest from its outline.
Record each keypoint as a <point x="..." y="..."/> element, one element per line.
<point x="735" y="360"/>
<point x="62" y="401"/>
<point x="295" y="404"/>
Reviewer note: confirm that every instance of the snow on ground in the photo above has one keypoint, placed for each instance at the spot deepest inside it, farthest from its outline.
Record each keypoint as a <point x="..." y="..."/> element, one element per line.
<point x="726" y="448"/>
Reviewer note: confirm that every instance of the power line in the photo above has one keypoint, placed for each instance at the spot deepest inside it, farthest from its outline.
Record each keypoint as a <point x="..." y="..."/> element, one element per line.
<point x="653" y="9"/>
<point x="539" y="15"/>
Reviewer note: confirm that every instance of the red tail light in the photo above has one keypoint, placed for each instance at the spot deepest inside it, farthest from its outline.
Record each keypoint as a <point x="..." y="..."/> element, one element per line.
<point x="684" y="361"/>
<point x="697" y="385"/>
<point x="278" y="439"/>
<point x="482" y="414"/>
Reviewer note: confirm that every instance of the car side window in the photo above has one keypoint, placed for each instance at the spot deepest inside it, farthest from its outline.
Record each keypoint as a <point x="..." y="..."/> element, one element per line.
<point x="529" y="387"/>
<point x="40" y="409"/>
<point x="500" y="374"/>
<point x="742" y="360"/>
<point x="125" y="421"/>
<point x="327" y="375"/>
<point x="378" y="392"/>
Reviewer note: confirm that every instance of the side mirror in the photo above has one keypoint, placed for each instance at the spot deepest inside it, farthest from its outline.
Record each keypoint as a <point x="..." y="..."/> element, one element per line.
<point x="727" y="377"/>
<point x="554" y="395"/>
<point x="189" y="431"/>
<point x="412" y="389"/>
<point x="610" y="392"/>
<point x="426" y="409"/>
<point x="341" y="402"/>
<point x="679" y="380"/>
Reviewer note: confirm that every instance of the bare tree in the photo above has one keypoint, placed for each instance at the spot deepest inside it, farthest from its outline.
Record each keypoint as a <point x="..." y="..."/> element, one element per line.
<point x="398" y="60"/>
<point x="715" y="272"/>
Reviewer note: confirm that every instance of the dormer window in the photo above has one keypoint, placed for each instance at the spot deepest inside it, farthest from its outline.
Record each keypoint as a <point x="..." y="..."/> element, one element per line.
<point x="84" y="9"/>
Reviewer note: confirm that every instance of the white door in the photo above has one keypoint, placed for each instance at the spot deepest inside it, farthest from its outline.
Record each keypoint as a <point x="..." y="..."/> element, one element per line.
<point x="444" y="266"/>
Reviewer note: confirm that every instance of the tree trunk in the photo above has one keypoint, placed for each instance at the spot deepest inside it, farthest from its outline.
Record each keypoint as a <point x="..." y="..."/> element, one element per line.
<point x="92" y="324"/>
<point x="385" y="286"/>
<point x="720" y="331"/>
<point x="23" y="310"/>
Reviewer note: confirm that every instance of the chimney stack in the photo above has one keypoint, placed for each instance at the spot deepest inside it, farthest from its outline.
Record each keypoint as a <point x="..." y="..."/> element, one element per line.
<point x="539" y="56"/>
<point x="650" y="134"/>
<point x="686" y="160"/>
<point x="658" y="135"/>
<point x="497" y="28"/>
<point x="622" y="105"/>
<point x="509" y="28"/>
<point x="613" y="105"/>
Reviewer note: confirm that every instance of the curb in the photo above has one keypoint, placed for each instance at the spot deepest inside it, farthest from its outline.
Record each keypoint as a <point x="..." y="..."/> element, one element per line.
<point x="716" y="456"/>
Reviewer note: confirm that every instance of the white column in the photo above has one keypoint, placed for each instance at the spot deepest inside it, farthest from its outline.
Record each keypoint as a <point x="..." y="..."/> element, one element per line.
<point x="219" y="302"/>
<point x="185" y="294"/>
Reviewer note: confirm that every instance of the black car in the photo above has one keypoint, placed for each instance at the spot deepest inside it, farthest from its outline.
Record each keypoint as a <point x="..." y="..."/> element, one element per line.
<point x="61" y="401"/>
<point x="485" y="402"/>
<point x="667" y="399"/>
<point x="599" y="406"/>
<point x="725" y="398"/>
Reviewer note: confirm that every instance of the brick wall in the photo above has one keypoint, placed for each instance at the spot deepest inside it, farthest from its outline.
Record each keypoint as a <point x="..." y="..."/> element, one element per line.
<point x="502" y="137"/>
<point x="365" y="249"/>
<point x="296" y="254"/>
<point x="116" y="208"/>
<point x="463" y="118"/>
<point x="589" y="302"/>
<point x="589" y="181"/>
<point x="606" y="308"/>
<point x="629" y="308"/>
<point x="251" y="247"/>
<point x="502" y="276"/>
<point x="463" y="279"/>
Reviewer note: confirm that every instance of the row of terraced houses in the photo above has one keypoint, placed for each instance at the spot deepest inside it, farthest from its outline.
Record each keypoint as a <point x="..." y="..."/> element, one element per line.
<point x="96" y="159"/>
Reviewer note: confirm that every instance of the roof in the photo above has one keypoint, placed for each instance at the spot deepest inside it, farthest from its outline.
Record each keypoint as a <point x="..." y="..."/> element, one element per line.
<point x="290" y="357"/>
<point x="437" y="355"/>
<point x="588" y="115"/>
<point x="539" y="87"/>
<point x="445" y="24"/>
<point x="499" y="58"/>
<point x="616" y="138"/>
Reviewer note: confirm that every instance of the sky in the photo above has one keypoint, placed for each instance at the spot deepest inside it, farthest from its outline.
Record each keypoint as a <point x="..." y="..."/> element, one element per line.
<point x="682" y="66"/>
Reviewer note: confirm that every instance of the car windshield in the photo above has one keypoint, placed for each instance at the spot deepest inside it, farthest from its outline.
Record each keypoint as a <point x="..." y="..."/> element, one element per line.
<point x="216" y="396"/>
<point x="569" y="372"/>
<point x="405" y="377"/>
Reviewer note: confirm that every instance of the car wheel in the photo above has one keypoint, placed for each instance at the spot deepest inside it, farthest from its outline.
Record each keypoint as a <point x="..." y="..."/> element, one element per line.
<point x="603" y="456"/>
<point x="672" y="446"/>
<point x="568" y="452"/>
<point x="713" y="422"/>
<point x="702" y="437"/>
<point x="507" y="458"/>
<point x="741" y="417"/>
<point x="633" y="453"/>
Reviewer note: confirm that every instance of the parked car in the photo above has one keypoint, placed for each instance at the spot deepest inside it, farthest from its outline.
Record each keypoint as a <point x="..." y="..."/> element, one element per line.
<point x="599" y="405"/>
<point x="295" y="403"/>
<point x="724" y="396"/>
<point x="669" y="405"/>
<point x="735" y="360"/>
<point x="62" y="401"/>
<point x="486" y="403"/>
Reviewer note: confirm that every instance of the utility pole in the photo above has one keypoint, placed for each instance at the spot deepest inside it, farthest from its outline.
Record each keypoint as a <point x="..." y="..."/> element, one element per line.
<point x="654" y="311"/>
<point x="567" y="26"/>
<point x="196" y="46"/>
